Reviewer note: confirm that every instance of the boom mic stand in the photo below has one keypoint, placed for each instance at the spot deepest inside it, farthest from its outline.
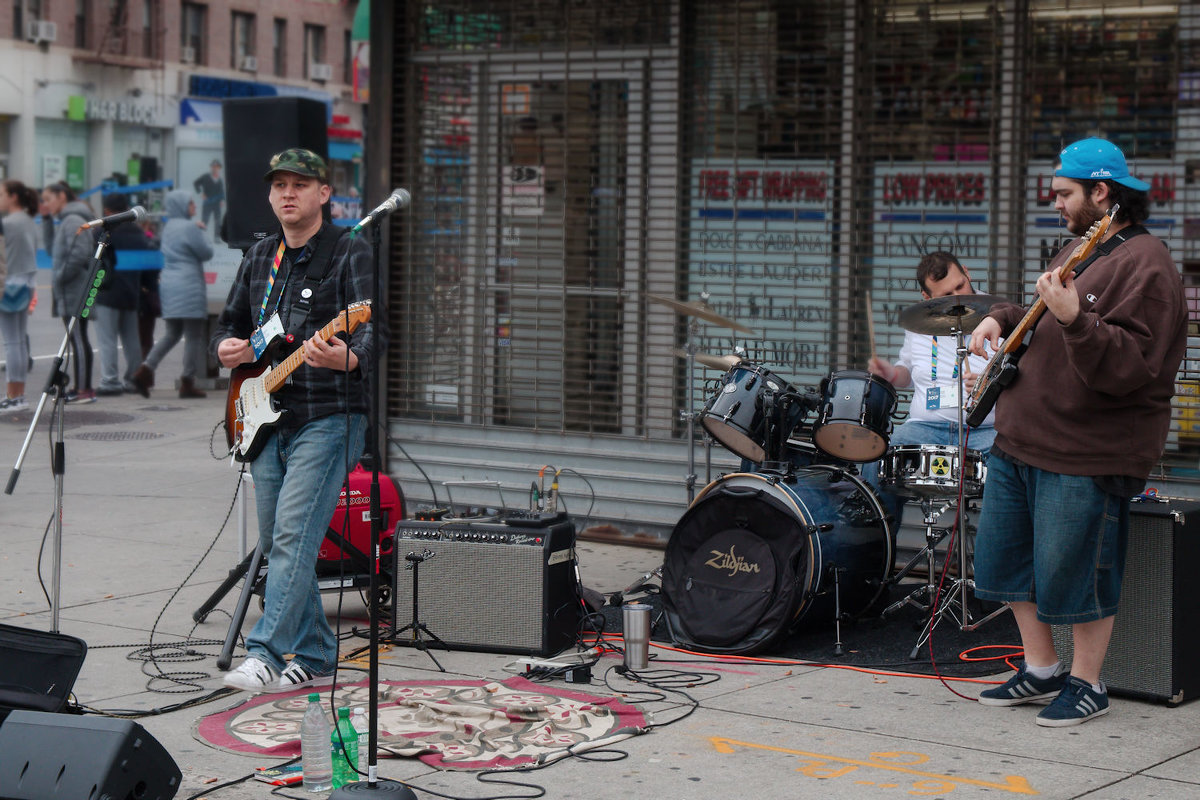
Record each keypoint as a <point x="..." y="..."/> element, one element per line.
<point x="378" y="788"/>
<point x="56" y="382"/>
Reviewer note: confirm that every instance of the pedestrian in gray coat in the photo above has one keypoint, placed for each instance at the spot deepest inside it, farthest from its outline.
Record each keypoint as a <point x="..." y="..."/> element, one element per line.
<point x="71" y="256"/>
<point x="184" y="295"/>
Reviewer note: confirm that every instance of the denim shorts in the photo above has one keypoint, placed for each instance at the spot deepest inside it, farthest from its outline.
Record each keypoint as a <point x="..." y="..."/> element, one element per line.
<point x="1055" y="540"/>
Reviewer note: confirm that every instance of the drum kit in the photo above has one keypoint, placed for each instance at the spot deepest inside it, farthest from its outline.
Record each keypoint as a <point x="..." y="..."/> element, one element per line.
<point x="798" y="536"/>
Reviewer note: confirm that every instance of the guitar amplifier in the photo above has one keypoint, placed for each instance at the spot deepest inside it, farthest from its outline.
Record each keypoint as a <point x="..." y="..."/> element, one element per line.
<point x="1155" y="653"/>
<point x="488" y="586"/>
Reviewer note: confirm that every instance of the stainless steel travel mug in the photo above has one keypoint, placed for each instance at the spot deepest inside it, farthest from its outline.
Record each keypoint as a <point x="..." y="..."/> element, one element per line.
<point x="636" y="619"/>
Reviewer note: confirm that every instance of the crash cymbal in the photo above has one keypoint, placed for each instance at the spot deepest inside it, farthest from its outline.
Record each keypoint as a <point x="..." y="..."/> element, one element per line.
<point x="945" y="315"/>
<point x="723" y="363"/>
<point x="700" y="310"/>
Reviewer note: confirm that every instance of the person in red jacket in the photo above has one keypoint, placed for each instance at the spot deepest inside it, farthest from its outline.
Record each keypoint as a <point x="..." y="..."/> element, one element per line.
<point x="1077" y="434"/>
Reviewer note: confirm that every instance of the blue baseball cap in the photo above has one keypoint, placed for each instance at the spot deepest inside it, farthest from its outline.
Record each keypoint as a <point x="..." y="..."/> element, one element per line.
<point x="1097" y="160"/>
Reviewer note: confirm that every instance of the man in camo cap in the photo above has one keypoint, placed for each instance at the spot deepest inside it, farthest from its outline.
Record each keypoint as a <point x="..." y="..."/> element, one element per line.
<point x="293" y="281"/>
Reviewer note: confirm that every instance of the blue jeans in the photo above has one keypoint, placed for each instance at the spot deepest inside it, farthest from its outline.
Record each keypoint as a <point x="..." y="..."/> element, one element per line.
<point x="1056" y="540"/>
<point x="298" y="477"/>
<point x="924" y="432"/>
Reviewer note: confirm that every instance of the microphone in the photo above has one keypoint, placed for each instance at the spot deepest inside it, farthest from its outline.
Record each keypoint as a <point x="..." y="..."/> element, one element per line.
<point x="400" y="199"/>
<point x="135" y="214"/>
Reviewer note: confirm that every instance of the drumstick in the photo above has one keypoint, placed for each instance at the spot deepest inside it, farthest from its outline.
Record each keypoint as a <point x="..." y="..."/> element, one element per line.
<point x="870" y="324"/>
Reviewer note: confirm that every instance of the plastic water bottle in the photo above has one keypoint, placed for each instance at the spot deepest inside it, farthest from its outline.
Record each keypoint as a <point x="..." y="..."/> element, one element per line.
<point x="343" y="749"/>
<point x="358" y="718"/>
<point x="314" y="747"/>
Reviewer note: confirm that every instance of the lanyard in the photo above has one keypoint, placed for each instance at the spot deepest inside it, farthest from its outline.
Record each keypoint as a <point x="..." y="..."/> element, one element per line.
<point x="933" y="364"/>
<point x="262" y="309"/>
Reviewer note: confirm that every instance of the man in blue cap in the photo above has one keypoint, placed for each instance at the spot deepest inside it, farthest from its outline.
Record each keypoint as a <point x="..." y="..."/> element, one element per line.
<point x="1077" y="434"/>
<point x="295" y="282"/>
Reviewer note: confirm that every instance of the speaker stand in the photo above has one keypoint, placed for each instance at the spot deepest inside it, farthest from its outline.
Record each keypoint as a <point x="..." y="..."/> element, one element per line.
<point x="416" y="626"/>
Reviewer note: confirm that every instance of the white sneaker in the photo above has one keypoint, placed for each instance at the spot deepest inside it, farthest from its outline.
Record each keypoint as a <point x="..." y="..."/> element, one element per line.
<point x="296" y="676"/>
<point x="10" y="405"/>
<point x="254" y="675"/>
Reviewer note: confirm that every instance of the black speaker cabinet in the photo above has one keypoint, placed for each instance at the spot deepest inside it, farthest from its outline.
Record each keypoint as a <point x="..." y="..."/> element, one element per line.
<point x="489" y="586"/>
<point x="44" y="756"/>
<point x="257" y="128"/>
<point x="1155" y="652"/>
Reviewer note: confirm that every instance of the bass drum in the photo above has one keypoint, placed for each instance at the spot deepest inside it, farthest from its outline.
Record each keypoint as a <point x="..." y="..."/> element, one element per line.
<point x="756" y="554"/>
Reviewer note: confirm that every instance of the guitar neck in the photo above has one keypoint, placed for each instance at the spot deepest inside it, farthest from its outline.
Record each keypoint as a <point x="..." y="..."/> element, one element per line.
<point x="1093" y="236"/>
<point x="276" y="377"/>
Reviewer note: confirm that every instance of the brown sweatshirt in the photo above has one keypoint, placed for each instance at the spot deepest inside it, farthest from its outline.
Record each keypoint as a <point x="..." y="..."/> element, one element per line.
<point x="1094" y="397"/>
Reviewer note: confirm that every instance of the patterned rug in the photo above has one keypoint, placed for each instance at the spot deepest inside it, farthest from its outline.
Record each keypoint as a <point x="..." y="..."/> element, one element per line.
<point x="467" y="725"/>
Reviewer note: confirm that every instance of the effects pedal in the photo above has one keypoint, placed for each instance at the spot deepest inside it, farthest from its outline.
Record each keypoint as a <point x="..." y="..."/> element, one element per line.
<point x="435" y="514"/>
<point x="531" y="519"/>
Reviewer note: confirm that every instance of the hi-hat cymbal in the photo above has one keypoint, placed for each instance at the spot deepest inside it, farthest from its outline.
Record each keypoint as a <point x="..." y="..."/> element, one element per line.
<point x="701" y="310"/>
<point x="723" y="363"/>
<point x="945" y="315"/>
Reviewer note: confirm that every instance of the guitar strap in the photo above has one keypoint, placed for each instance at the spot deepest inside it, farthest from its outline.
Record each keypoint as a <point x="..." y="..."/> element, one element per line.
<point x="1102" y="249"/>
<point x="316" y="269"/>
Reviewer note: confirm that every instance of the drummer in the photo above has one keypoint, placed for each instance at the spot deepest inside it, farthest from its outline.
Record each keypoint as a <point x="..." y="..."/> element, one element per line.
<point x="929" y="365"/>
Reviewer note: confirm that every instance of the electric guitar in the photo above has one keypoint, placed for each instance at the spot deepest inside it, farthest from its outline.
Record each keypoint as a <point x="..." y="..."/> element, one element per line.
<point x="249" y="410"/>
<point x="1002" y="368"/>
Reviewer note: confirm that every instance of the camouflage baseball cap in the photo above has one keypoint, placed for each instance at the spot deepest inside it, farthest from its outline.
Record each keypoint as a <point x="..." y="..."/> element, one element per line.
<point x="299" y="161"/>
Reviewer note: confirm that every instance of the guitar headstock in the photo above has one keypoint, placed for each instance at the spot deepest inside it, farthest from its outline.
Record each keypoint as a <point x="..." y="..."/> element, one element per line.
<point x="354" y="315"/>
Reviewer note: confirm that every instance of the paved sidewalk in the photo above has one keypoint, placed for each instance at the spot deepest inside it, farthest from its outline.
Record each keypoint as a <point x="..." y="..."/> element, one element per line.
<point x="150" y="529"/>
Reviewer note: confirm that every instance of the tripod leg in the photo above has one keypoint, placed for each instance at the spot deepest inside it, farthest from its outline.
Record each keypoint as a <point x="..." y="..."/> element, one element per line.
<point x="230" y="581"/>
<point x="239" y="613"/>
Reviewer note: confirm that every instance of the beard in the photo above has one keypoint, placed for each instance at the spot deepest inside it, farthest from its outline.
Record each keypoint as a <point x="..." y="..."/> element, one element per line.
<point x="1088" y="214"/>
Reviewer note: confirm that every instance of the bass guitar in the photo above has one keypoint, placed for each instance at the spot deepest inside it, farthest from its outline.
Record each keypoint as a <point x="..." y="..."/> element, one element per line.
<point x="1002" y="368"/>
<point x="250" y="410"/>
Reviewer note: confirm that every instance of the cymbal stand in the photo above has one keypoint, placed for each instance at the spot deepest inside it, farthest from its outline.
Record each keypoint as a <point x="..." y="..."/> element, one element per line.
<point x="956" y="602"/>
<point x="690" y="413"/>
<point x="963" y="584"/>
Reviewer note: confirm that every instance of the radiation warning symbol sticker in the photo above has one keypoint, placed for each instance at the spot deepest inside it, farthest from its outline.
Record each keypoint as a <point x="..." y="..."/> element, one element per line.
<point x="941" y="466"/>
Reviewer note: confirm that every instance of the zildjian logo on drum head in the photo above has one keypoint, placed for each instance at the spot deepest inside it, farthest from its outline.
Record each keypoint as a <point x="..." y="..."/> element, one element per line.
<point x="730" y="561"/>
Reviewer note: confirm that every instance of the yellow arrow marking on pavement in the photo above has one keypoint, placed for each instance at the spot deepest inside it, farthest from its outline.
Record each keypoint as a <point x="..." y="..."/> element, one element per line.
<point x="1014" y="783"/>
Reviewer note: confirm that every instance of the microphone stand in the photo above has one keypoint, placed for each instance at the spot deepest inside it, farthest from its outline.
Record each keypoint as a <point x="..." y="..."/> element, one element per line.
<point x="56" y="382"/>
<point x="380" y="788"/>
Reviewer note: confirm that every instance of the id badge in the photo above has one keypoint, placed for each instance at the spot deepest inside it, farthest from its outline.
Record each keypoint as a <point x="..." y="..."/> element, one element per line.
<point x="941" y="397"/>
<point x="262" y="338"/>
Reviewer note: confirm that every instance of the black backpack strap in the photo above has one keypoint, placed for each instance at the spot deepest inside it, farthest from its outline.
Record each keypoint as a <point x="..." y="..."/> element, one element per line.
<point x="316" y="269"/>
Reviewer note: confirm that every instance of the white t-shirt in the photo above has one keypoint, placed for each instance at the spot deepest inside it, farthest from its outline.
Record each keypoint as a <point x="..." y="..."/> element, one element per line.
<point x="931" y="361"/>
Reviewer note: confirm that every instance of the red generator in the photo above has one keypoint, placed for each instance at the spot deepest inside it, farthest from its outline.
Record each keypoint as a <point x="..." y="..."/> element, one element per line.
<point x="358" y="528"/>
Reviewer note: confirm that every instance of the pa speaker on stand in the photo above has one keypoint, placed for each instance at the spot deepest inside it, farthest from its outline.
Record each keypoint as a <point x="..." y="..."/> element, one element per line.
<point x="257" y="128"/>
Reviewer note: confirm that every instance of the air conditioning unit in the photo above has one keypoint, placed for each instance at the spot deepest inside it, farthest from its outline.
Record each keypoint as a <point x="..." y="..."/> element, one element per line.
<point x="248" y="63"/>
<point x="188" y="55"/>
<point x="320" y="72"/>
<point x="41" y="30"/>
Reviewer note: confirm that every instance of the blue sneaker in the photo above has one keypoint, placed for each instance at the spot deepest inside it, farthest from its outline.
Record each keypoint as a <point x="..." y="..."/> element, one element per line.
<point x="1076" y="703"/>
<point x="1024" y="688"/>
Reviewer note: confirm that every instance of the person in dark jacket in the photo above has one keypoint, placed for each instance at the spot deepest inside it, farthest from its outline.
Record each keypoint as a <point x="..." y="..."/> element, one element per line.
<point x="1077" y="433"/>
<point x="115" y="314"/>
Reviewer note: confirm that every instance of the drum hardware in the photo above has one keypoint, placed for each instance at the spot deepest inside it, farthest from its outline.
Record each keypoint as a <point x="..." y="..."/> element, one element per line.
<point x="696" y="310"/>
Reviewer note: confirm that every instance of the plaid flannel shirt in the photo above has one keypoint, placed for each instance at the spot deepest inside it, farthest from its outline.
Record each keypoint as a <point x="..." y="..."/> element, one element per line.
<point x="310" y="393"/>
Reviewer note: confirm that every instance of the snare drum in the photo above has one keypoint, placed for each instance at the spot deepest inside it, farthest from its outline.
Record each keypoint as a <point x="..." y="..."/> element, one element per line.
<point x="855" y="416"/>
<point x="931" y="470"/>
<point x="749" y="410"/>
